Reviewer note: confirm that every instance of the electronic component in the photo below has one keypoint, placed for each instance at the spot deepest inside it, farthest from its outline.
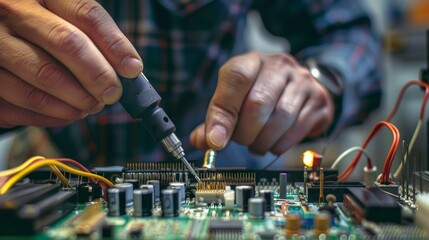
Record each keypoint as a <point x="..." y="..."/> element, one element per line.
<point x="156" y="188"/>
<point x="210" y="192"/>
<point x="89" y="220"/>
<point x="372" y="204"/>
<point x="181" y="188"/>
<point x="128" y="187"/>
<point x="242" y="195"/>
<point x="210" y="158"/>
<point x="283" y="185"/>
<point x="225" y="229"/>
<point x="26" y="209"/>
<point x="292" y="224"/>
<point x="268" y="195"/>
<point x="321" y="224"/>
<point x="134" y="182"/>
<point x="117" y="202"/>
<point x="170" y="203"/>
<point x="229" y="198"/>
<point x="143" y="202"/>
<point x="338" y="189"/>
<point x="87" y="192"/>
<point x="256" y="208"/>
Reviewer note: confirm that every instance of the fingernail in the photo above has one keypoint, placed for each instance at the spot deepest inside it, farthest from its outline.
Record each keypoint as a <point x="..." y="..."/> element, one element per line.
<point x="112" y="95"/>
<point x="218" y="136"/>
<point x="132" y="66"/>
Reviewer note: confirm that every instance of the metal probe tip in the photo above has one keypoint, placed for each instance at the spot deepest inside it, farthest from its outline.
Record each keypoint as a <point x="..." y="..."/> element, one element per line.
<point x="190" y="169"/>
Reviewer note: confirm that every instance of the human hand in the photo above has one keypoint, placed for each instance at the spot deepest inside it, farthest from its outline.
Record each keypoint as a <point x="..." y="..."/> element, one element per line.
<point x="268" y="103"/>
<point x="58" y="61"/>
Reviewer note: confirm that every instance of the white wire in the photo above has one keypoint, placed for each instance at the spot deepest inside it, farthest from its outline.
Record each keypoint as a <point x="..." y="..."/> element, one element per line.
<point x="347" y="152"/>
<point x="410" y="148"/>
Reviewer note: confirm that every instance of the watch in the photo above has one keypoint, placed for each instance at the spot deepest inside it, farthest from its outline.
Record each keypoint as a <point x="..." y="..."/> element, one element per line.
<point x="326" y="77"/>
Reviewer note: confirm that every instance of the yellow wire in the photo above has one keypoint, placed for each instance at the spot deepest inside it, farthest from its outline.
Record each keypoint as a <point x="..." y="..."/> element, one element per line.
<point x="45" y="162"/>
<point x="20" y="167"/>
<point x="28" y="162"/>
<point x="58" y="173"/>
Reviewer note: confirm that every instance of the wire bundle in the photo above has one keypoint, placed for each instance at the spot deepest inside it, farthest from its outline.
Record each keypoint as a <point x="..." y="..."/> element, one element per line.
<point x="396" y="136"/>
<point x="11" y="176"/>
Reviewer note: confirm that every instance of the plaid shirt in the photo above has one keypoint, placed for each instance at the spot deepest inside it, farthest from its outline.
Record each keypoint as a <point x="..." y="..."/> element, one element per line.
<point x="183" y="44"/>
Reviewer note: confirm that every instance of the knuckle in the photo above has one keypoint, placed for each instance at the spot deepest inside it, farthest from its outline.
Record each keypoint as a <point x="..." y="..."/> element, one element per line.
<point x="49" y="75"/>
<point x="66" y="38"/>
<point x="286" y="110"/>
<point x="38" y="100"/>
<point x="8" y="9"/>
<point x="90" y="104"/>
<point x="283" y="58"/>
<point x="102" y="78"/>
<point x="259" y="100"/>
<point x="90" y="11"/>
<point x="235" y="75"/>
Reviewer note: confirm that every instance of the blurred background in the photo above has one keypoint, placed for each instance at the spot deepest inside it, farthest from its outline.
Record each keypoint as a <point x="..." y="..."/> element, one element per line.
<point x="402" y="25"/>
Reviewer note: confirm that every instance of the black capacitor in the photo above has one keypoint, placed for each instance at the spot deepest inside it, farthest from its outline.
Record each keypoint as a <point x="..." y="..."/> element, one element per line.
<point x="156" y="189"/>
<point x="268" y="195"/>
<point x="170" y="203"/>
<point x="87" y="192"/>
<point x="117" y="201"/>
<point x="134" y="182"/>
<point x="242" y="195"/>
<point x="143" y="202"/>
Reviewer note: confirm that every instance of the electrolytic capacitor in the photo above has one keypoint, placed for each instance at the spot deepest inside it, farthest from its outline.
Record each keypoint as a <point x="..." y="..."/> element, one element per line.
<point x="181" y="188"/>
<point x="151" y="188"/>
<point x="256" y="208"/>
<point x="292" y="224"/>
<point x="283" y="185"/>
<point x="143" y="202"/>
<point x="170" y="204"/>
<point x="156" y="188"/>
<point x="128" y="187"/>
<point x="242" y="195"/>
<point x="134" y="182"/>
<point x="117" y="201"/>
<point x="268" y="195"/>
<point x="87" y="192"/>
<point x="322" y="222"/>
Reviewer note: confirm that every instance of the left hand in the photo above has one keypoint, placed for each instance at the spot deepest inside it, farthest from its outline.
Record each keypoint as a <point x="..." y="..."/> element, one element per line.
<point x="268" y="103"/>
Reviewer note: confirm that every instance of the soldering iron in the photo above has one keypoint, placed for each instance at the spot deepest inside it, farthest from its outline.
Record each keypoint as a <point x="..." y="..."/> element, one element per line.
<point x="141" y="101"/>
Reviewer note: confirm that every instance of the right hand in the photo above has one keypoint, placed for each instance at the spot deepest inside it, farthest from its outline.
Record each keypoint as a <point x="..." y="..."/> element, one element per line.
<point x="59" y="60"/>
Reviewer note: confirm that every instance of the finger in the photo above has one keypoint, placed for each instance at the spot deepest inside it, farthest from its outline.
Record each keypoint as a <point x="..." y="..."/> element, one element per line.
<point x="29" y="63"/>
<point x="307" y="119"/>
<point x="285" y="114"/>
<point x="261" y="100"/>
<point x="14" y="116"/>
<point x="198" y="138"/>
<point x="72" y="48"/>
<point x="23" y="95"/>
<point x="97" y="24"/>
<point x="236" y="77"/>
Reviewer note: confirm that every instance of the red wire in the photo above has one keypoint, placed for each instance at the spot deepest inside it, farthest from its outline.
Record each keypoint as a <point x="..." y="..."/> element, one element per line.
<point x="395" y="142"/>
<point x="343" y="176"/>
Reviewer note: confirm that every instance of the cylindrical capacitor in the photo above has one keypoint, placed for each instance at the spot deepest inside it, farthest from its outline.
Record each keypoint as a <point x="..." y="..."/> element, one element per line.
<point x="322" y="222"/>
<point x="87" y="192"/>
<point x="117" y="201"/>
<point x="170" y="204"/>
<point x="156" y="188"/>
<point x="181" y="188"/>
<point x="151" y="188"/>
<point x="128" y="187"/>
<point x="268" y="195"/>
<point x="134" y="182"/>
<point x="292" y="224"/>
<point x="143" y="202"/>
<point x="242" y="195"/>
<point x="256" y="208"/>
<point x="283" y="186"/>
